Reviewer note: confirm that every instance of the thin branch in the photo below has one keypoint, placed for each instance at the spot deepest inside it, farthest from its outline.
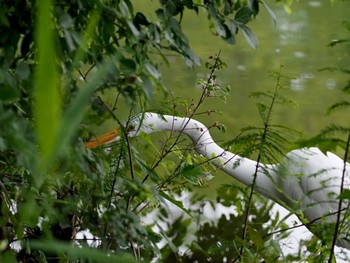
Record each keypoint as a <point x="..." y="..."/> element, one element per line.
<point x="331" y="255"/>
<point x="261" y="149"/>
<point x="130" y="198"/>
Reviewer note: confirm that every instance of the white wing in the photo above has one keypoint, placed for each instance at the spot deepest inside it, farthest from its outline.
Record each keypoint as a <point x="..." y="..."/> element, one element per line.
<point x="311" y="184"/>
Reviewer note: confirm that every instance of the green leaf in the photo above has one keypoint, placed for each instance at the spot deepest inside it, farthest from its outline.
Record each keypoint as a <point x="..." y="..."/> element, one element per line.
<point x="338" y="106"/>
<point x="152" y="70"/>
<point x="127" y="66"/>
<point x="150" y="171"/>
<point x="191" y="172"/>
<point x="255" y="237"/>
<point x="338" y="41"/>
<point x="171" y="8"/>
<point x="346" y="24"/>
<point x="140" y="19"/>
<point x="88" y="35"/>
<point x="249" y="35"/>
<point x="346" y="88"/>
<point x="8" y="257"/>
<point x="66" y="21"/>
<point x="47" y="106"/>
<point x="233" y="27"/>
<point x="54" y="134"/>
<point x="29" y="210"/>
<point x="243" y="15"/>
<point x="272" y="14"/>
<point x="254" y="6"/>
<point x="23" y="71"/>
<point x="228" y="34"/>
<point x="88" y="253"/>
<point x="345" y="195"/>
<point x="8" y="93"/>
<point x="175" y="202"/>
<point x="75" y="111"/>
<point x="133" y="29"/>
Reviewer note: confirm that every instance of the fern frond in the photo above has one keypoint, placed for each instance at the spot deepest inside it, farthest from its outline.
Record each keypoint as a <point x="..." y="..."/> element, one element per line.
<point x="259" y="94"/>
<point x="333" y="129"/>
<point x="338" y="106"/>
<point x="284" y="101"/>
<point x="346" y="88"/>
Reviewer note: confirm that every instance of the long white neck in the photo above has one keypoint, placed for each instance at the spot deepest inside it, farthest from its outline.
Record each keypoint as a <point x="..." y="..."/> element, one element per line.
<point x="242" y="169"/>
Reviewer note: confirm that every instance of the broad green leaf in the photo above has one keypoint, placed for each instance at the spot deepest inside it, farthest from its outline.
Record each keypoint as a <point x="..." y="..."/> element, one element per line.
<point x="249" y="36"/>
<point x="66" y="127"/>
<point x="29" y="211"/>
<point x="244" y="15"/>
<point x="254" y="6"/>
<point x="345" y="195"/>
<point x="127" y="66"/>
<point x="233" y="27"/>
<point x="8" y="257"/>
<point x="74" y="114"/>
<point x="88" y="253"/>
<point x="47" y="106"/>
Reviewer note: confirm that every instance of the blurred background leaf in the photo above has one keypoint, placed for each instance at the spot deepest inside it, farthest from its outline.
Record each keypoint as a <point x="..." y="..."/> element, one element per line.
<point x="47" y="106"/>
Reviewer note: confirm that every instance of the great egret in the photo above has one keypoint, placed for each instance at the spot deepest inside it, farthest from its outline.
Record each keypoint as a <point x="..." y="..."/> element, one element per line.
<point x="307" y="181"/>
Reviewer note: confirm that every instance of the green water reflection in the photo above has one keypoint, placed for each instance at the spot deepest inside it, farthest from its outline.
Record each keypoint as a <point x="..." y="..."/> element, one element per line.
<point x="299" y="41"/>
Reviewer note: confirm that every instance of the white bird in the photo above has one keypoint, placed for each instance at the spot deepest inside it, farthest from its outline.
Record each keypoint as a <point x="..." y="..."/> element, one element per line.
<point x="307" y="181"/>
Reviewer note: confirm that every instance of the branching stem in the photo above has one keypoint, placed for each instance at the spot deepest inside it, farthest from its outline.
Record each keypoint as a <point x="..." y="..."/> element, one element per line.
<point x="260" y="154"/>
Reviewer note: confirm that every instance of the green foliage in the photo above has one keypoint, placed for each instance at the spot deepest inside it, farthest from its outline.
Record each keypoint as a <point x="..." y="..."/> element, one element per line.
<point x="66" y="65"/>
<point x="227" y="26"/>
<point x="58" y="60"/>
<point x="218" y="239"/>
<point x="267" y="143"/>
<point x="47" y="99"/>
<point x="85" y="254"/>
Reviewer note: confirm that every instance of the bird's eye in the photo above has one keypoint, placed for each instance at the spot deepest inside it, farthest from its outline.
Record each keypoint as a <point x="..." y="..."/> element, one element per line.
<point x="130" y="127"/>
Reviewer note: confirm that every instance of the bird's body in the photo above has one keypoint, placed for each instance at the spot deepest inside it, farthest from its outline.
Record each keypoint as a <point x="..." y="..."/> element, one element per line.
<point x="306" y="182"/>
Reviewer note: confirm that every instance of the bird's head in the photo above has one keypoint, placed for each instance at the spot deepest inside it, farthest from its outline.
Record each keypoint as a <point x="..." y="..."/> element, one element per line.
<point x="140" y="123"/>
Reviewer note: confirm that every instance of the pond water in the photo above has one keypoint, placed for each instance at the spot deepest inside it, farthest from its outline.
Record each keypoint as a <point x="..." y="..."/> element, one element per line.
<point x="299" y="41"/>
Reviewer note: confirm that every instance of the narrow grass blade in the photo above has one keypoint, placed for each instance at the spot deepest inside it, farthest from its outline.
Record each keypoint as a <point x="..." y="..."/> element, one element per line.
<point x="88" y="253"/>
<point x="47" y="104"/>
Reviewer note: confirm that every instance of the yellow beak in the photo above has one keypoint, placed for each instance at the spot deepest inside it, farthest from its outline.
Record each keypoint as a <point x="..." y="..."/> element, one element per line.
<point x="107" y="137"/>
